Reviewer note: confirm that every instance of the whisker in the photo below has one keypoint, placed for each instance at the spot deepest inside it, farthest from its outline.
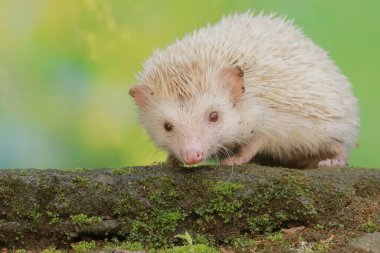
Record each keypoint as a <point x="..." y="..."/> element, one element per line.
<point x="216" y="159"/>
<point x="228" y="152"/>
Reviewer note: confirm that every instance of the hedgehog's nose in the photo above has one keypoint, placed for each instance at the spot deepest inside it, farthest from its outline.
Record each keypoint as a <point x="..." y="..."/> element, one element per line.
<point x="193" y="156"/>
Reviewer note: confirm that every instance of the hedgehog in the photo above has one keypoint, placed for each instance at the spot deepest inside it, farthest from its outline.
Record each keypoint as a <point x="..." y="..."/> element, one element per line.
<point x="251" y="88"/>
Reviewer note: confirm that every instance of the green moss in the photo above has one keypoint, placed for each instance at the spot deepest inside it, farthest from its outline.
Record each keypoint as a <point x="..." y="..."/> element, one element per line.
<point x="135" y="246"/>
<point x="96" y="219"/>
<point x="54" y="220"/>
<point x="262" y="223"/>
<point x="124" y="206"/>
<point x="164" y="191"/>
<point x="224" y="202"/>
<point x="320" y="247"/>
<point x="34" y="213"/>
<point x="84" y="246"/>
<point x="23" y="172"/>
<point x="226" y="188"/>
<point x="156" y="230"/>
<point x="78" y="169"/>
<point x="125" y="245"/>
<point x="244" y="244"/>
<point x="51" y="250"/>
<point x="287" y="198"/>
<point x="275" y="237"/>
<point x="157" y="196"/>
<point x="198" y="248"/>
<point x="204" y="239"/>
<point x="123" y="171"/>
<point x="81" y="181"/>
<point x="369" y="227"/>
<point x="168" y="220"/>
<point x="81" y="219"/>
<point x="332" y="224"/>
<point x="319" y="227"/>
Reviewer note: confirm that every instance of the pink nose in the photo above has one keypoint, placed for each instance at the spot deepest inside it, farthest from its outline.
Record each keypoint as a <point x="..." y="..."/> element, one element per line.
<point x="193" y="156"/>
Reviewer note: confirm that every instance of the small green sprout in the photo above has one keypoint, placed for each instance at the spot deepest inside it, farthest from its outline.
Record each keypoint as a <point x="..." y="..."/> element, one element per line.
<point x="186" y="237"/>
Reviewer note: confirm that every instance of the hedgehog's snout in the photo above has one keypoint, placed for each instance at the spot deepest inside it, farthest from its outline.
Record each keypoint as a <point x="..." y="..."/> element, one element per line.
<point x="192" y="156"/>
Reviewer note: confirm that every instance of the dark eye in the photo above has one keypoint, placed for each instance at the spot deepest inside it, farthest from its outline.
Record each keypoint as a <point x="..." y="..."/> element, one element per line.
<point x="213" y="117"/>
<point x="168" y="127"/>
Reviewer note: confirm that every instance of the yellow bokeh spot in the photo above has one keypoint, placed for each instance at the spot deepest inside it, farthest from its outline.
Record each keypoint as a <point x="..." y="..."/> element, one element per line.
<point x="90" y="4"/>
<point x="90" y="38"/>
<point x="111" y="25"/>
<point x="125" y="35"/>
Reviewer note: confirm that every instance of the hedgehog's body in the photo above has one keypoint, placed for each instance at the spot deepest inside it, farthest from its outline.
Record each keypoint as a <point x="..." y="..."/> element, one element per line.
<point x="292" y="105"/>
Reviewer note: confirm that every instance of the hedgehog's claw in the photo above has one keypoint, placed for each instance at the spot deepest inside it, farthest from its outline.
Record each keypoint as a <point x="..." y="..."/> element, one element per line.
<point x="340" y="160"/>
<point x="233" y="160"/>
<point x="332" y="163"/>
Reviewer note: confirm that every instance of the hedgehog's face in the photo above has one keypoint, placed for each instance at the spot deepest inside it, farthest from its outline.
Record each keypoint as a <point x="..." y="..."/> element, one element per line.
<point x="197" y="127"/>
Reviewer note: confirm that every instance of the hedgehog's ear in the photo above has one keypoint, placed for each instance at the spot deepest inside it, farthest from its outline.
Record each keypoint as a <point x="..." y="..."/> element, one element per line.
<point x="234" y="78"/>
<point x="138" y="92"/>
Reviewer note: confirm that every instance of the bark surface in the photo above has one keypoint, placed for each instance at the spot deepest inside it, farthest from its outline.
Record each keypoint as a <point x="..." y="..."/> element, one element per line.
<point x="152" y="204"/>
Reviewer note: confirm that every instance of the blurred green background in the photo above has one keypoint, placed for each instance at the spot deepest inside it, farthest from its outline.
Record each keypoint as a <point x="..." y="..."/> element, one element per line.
<point x="66" y="67"/>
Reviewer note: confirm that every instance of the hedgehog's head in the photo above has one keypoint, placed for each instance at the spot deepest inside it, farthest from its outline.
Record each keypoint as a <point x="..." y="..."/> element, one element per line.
<point x="198" y="124"/>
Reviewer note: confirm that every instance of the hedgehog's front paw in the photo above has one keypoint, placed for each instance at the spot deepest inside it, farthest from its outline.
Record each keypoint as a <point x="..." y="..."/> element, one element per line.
<point x="233" y="160"/>
<point x="332" y="163"/>
<point x="340" y="159"/>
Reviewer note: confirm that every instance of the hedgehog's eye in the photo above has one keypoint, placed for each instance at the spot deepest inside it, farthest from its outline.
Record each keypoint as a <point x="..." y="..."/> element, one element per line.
<point x="213" y="117"/>
<point x="168" y="127"/>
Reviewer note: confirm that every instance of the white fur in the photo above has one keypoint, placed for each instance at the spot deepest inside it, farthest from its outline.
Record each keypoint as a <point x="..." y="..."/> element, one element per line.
<point x="295" y="98"/>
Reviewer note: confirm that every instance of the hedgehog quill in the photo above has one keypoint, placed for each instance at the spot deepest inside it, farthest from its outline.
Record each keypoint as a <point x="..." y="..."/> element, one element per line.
<point x="253" y="87"/>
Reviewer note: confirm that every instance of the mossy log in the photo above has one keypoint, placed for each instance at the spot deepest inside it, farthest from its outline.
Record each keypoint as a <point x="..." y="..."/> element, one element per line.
<point x="152" y="204"/>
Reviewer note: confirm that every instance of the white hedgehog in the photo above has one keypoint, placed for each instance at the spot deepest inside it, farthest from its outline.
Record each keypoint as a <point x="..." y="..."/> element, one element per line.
<point x="253" y="87"/>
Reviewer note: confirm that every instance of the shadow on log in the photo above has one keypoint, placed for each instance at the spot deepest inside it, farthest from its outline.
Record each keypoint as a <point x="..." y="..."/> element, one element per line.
<point x="152" y="204"/>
